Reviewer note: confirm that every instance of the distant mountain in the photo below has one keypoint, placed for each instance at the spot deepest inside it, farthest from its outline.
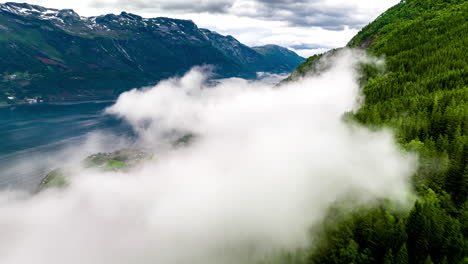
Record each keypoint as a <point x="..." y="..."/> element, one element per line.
<point x="58" y="55"/>
<point x="278" y="58"/>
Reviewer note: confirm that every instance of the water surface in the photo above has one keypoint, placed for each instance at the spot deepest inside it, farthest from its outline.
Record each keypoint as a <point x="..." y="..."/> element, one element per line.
<point x="36" y="138"/>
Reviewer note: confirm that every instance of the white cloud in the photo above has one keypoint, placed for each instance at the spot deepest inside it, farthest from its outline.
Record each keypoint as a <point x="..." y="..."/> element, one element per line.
<point x="309" y="52"/>
<point x="266" y="164"/>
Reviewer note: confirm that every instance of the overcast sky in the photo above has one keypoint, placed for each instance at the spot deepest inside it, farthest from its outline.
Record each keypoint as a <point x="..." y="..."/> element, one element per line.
<point x="307" y="26"/>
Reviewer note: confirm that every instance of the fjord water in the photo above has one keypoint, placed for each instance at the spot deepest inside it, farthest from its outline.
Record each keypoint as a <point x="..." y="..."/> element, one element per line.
<point x="33" y="137"/>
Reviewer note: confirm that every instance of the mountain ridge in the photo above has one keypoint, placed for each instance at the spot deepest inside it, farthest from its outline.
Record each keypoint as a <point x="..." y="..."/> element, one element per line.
<point x="53" y="54"/>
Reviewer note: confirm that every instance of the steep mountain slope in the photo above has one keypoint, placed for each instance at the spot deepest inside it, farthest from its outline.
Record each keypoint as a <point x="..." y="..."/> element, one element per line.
<point x="272" y="58"/>
<point x="278" y="59"/>
<point x="423" y="96"/>
<point x="57" y="54"/>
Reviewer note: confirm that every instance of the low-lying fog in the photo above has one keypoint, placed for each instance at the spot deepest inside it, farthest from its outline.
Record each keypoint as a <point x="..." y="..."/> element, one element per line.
<point x="265" y="165"/>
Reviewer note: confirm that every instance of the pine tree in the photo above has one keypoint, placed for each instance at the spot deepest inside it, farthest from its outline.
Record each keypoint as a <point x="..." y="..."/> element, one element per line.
<point x="389" y="259"/>
<point x="428" y="260"/>
<point x="402" y="255"/>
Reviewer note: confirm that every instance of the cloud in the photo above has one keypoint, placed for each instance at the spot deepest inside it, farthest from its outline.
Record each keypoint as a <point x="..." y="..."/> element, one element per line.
<point x="299" y="13"/>
<point x="310" y="52"/>
<point x="327" y="14"/>
<point x="265" y="165"/>
<point x="307" y="50"/>
<point x="310" y="46"/>
<point x="209" y="6"/>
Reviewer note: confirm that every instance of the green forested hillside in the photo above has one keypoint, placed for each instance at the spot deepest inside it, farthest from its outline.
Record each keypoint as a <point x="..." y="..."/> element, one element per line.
<point x="423" y="95"/>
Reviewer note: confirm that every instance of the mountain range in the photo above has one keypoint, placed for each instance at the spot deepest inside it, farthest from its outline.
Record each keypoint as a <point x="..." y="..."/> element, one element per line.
<point x="53" y="54"/>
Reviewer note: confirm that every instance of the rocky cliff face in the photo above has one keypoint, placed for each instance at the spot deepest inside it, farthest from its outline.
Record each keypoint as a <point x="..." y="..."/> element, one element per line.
<point x="58" y="55"/>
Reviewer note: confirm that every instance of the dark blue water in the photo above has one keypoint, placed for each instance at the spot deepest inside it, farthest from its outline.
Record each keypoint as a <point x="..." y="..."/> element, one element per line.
<point x="37" y="138"/>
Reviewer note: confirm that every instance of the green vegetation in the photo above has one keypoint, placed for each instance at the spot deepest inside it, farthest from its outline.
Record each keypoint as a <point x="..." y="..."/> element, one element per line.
<point x="55" y="179"/>
<point x="185" y="140"/>
<point x="423" y="95"/>
<point x="115" y="164"/>
<point x="305" y="67"/>
<point x="120" y="160"/>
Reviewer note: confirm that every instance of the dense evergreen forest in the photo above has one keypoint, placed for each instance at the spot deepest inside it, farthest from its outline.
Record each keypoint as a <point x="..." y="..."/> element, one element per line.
<point x="423" y="95"/>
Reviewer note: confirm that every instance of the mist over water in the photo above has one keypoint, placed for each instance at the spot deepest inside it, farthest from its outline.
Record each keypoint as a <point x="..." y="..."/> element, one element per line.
<point x="36" y="138"/>
<point x="266" y="163"/>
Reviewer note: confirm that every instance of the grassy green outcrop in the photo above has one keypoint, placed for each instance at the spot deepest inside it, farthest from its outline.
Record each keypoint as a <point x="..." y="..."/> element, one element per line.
<point x="55" y="179"/>
<point x="121" y="160"/>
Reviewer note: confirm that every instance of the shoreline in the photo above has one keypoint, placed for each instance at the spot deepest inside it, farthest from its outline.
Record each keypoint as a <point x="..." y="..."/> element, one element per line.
<point x="62" y="102"/>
